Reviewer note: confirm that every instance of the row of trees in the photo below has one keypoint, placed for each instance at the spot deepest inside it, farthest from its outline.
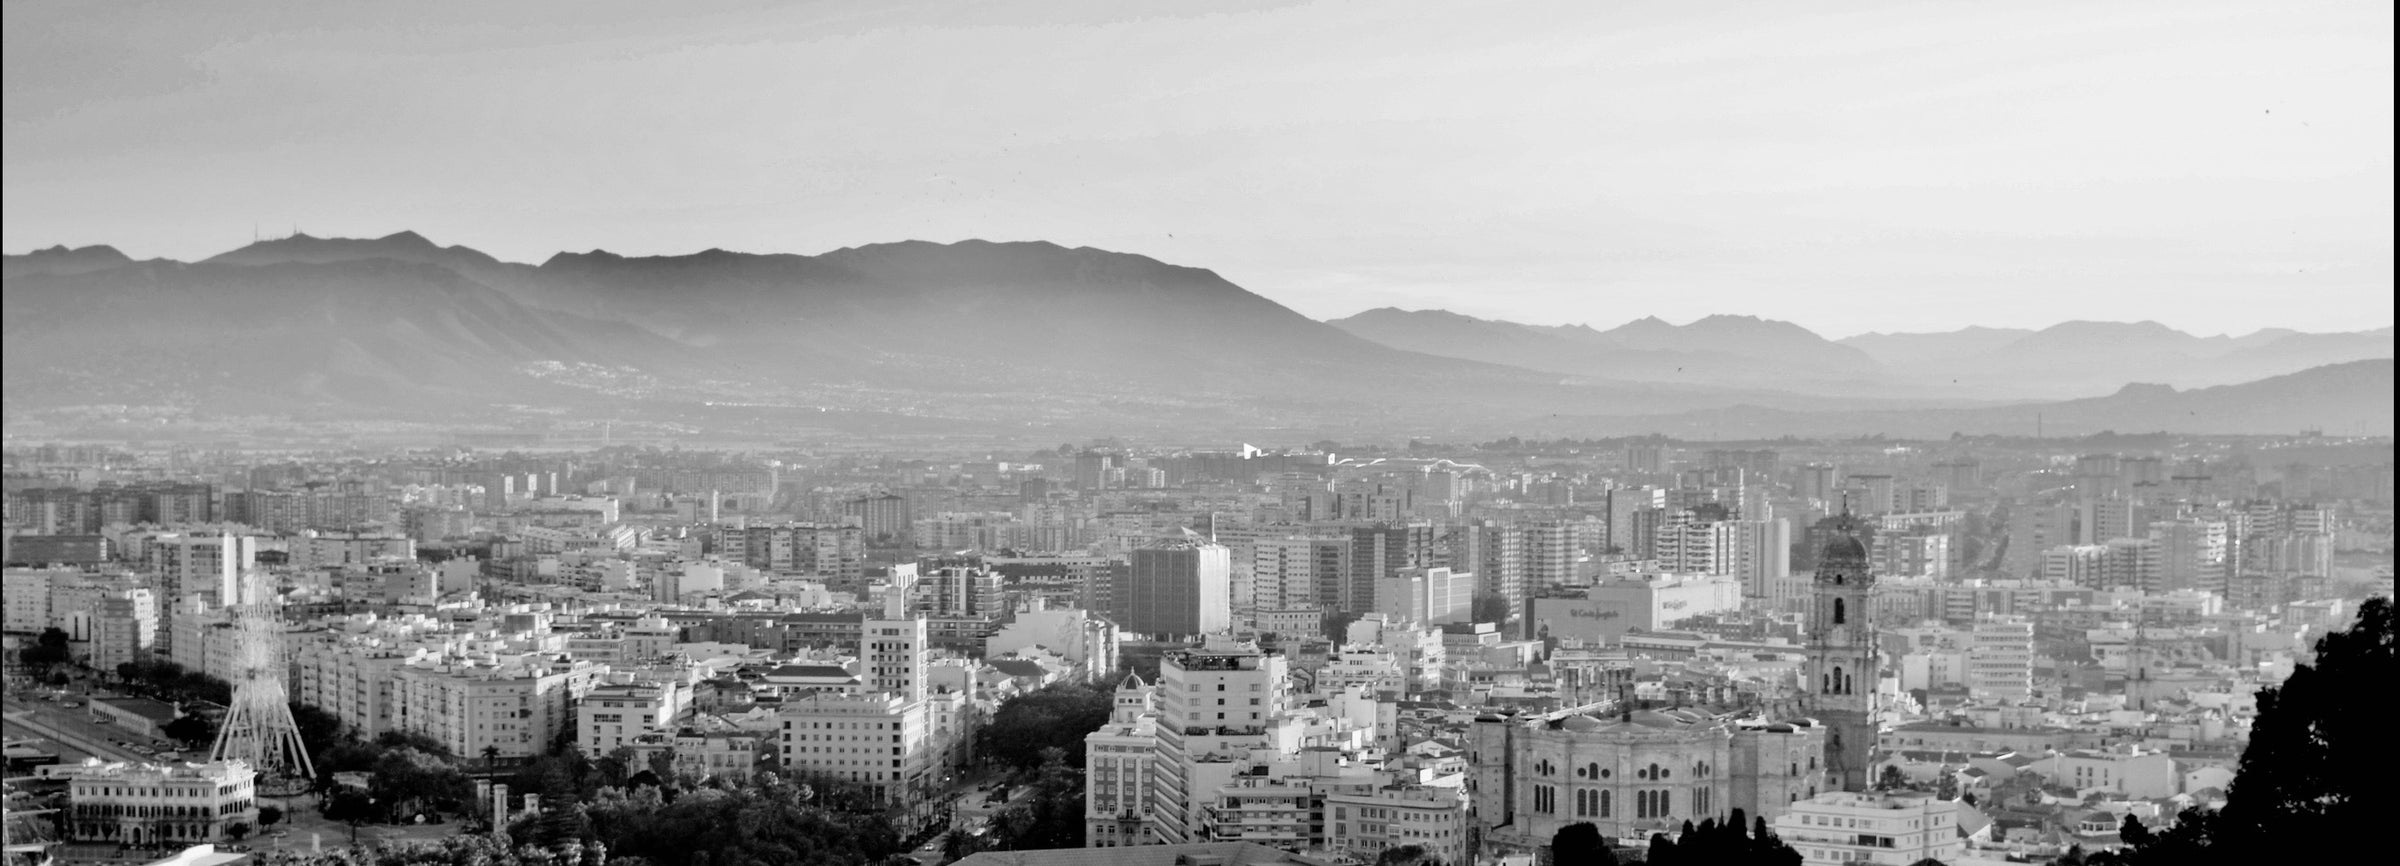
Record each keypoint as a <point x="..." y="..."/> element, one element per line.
<point x="171" y="682"/>
<point x="1051" y="817"/>
<point x="1737" y="842"/>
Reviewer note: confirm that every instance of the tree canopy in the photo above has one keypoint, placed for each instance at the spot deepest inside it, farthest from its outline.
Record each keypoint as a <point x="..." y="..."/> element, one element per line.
<point x="1052" y="817"/>
<point x="1054" y="717"/>
<point x="2300" y="779"/>
<point x="1580" y="844"/>
<point x="1737" y="842"/>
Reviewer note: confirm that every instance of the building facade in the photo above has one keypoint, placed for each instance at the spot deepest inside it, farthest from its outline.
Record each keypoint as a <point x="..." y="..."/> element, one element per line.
<point x="146" y="804"/>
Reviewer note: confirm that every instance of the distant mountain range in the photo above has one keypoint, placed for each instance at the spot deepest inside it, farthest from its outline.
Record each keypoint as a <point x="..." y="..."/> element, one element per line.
<point x="2090" y="357"/>
<point x="1723" y="350"/>
<point x="974" y="335"/>
<point x="2067" y="360"/>
<point x="2354" y="398"/>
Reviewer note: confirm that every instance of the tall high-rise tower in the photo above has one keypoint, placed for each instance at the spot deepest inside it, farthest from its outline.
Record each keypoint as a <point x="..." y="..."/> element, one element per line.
<point x="1843" y="662"/>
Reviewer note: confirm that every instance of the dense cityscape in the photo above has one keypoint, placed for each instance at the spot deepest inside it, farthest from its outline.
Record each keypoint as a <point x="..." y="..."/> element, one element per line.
<point x="1975" y="651"/>
<point x="1169" y="433"/>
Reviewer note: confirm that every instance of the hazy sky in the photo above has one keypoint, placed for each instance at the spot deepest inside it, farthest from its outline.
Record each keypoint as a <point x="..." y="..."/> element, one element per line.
<point x="1850" y="166"/>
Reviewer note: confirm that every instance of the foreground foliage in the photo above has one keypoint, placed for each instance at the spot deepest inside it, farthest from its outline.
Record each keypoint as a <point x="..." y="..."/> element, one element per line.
<point x="2301" y="779"/>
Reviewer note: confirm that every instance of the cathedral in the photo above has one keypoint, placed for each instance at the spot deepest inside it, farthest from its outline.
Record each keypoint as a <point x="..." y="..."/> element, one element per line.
<point x="1637" y="771"/>
<point x="1843" y="662"/>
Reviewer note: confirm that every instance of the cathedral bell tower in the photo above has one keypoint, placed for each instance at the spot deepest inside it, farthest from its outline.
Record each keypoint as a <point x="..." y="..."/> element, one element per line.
<point x="1843" y="661"/>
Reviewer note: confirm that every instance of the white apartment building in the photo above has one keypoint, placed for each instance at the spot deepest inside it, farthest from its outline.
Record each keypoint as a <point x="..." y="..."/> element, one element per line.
<point x="352" y="679"/>
<point x="875" y="741"/>
<point x="1427" y="596"/>
<point x="1263" y="809"/>
<point x="2000" y="660"/>
<point x="2125" y="770"/>
<point x="2075" y="564"/>
<point x="144" y="804"/>
<point x="1840" y="828"/>
<point x="613" y="714"/>
<point x="1933" y="668"/>
<point x="881" y="738"/>
<point x="316" y="549"/>
<point x="25" y="597"/>
<point x="1118" y="760"/>
<point x="2192" y="554"/>
<point x="721" y="754"/>
<point x="124" y="628"/>
<point x="1363" y="823"/>
<point x="1215" y="702"/>
<point x="1712" y="548"/>
<point x="513" y="707"/>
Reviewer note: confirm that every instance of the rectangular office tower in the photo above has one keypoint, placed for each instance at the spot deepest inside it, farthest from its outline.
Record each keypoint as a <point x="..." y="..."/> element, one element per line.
<point x="1177" y="589"/>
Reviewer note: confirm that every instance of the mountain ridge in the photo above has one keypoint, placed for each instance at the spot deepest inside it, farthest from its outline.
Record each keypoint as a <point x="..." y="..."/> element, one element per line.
<point x="990" y="331"/>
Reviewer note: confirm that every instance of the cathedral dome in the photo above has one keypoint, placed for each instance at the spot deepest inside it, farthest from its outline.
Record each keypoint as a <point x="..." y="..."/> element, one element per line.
<point x="1844" y="548"/>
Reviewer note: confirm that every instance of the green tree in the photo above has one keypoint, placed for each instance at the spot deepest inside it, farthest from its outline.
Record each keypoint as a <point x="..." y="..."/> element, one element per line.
<point x="190" y="730"/>
<point x="48" y="652"/>
<point x="350" y="806"/>
<point x="1891" y="779"/>
<point x="1054" y="717"/>
<point x="1405" y="855"/>
<point x="237" y="830"/>
<point x="1663" y="851"/>
<point x="960" y="843"/>
<point x="2300" y="777"/>
<point x="1580" y="844"/>
<point x="662" y="763"/>
<point x="1053" y="816"/>
<point x="409" y="782"/>
<point x="270" y="815"/>
<point x="2133" y="831"/>
<point x="615" y="766"/>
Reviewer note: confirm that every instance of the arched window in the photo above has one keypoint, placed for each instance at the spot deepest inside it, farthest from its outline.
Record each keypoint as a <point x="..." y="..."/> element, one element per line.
<point x="1837" y="680"/>
<point x="1604" y="804"/>
<point x="1838" y="609"/>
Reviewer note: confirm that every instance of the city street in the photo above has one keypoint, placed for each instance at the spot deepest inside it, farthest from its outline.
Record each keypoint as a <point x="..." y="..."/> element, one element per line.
<point x="73" y="729"/>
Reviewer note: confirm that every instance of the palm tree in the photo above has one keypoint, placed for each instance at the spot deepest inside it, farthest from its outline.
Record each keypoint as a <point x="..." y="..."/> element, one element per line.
<point x="491" y="755"/>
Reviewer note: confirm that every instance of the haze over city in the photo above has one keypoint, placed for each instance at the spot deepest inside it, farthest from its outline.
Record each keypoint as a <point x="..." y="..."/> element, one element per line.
<point x="1195" y="434"/>
<point x="1560" y="163"/>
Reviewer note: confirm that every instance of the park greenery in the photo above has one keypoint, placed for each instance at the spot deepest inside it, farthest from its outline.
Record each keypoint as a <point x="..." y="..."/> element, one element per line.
<point x="1026" y="727"/>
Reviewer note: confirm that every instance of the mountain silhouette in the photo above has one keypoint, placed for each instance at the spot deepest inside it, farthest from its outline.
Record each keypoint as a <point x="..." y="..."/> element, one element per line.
<point x="1739" y="351"/>
<point x="970" y="334"/>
